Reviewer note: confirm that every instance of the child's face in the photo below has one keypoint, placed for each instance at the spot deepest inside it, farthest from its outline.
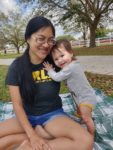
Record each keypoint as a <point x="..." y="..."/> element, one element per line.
<point x="62" y="57"/>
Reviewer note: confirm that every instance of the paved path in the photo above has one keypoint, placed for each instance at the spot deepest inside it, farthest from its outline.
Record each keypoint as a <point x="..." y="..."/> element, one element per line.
<point x="94" y="64"/>
<point x="97" y="64"/>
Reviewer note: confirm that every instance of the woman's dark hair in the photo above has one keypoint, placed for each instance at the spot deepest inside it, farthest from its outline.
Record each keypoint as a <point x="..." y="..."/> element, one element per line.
<point x="28" y="86"/>
<point x="36" y="24"/>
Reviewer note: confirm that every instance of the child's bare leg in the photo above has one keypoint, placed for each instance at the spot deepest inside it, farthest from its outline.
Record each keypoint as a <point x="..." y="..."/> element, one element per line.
<point x="43" y="133"/>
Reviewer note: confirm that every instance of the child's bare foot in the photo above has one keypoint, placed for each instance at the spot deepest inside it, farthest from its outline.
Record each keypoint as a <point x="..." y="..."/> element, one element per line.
<point x="25" y="146"/>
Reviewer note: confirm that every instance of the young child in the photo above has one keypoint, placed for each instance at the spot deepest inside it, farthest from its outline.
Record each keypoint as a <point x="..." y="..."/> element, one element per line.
<point x="72" y="73"/>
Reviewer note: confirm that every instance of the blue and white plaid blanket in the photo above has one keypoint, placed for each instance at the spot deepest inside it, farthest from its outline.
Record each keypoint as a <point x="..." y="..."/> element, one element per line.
<point x="103" y="118"/>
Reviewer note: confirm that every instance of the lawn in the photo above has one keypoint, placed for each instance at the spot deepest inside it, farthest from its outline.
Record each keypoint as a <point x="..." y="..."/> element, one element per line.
<point x="5" y="56"/>
<point x="99" y="50"/>
<point x="4" y="95"/>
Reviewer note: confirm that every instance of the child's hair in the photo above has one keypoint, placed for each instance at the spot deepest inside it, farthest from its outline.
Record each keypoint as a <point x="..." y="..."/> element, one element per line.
<point x="67" y="45"/>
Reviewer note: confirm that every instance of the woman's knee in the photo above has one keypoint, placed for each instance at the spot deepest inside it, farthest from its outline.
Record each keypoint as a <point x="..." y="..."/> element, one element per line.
<point x="10" y="126"/>
<point x="89" y="141"/>
<point x="86" y="141"/>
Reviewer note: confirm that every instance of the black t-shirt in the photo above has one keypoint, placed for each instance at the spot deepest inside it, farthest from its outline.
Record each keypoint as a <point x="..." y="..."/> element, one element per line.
<point x="46" y="97"/>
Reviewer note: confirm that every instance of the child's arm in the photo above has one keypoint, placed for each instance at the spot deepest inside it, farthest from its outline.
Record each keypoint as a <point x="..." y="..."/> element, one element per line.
<point x="57" y="76"/>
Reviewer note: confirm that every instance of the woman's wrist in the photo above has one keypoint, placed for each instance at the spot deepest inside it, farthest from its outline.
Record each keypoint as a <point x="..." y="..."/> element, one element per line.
<point x="30" y="133"/>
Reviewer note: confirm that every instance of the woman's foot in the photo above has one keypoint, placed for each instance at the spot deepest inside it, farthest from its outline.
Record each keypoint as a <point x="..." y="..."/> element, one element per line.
<point x="42" y="132"/>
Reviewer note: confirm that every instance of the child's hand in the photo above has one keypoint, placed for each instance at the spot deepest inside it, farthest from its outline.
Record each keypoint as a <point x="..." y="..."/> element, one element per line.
<point x="87" y="118"/>
<point x="47" y="66"/>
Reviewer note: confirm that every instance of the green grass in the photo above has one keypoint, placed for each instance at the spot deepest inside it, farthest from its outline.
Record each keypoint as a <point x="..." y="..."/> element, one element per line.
<point x="5" y="56"/>
<point x="4" y="95"/>
<point x="99" y="50"/>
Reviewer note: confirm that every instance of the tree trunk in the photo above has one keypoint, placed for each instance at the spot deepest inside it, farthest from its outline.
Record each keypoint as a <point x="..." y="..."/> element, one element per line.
<point x="85" y="29"/>
<point x="84" y="37"/>
<point x="18" y="50"/>
<point x="92" y="36"/>
<point x="5" y="51"/>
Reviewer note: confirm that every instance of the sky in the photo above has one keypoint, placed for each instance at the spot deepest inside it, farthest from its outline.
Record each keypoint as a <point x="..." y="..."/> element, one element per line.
<point x="8" y="5"/>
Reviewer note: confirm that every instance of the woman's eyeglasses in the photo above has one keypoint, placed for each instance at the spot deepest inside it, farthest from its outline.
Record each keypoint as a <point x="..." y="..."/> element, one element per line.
<point x="42" y="40"/>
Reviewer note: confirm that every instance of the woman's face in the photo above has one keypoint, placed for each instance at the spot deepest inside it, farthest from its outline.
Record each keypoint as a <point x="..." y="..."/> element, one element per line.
<point x="40" y="44"/>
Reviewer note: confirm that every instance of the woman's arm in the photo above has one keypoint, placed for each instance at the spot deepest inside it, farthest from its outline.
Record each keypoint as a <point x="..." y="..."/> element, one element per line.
<point x="35" y="140"/>
<point x="19" y="111"/>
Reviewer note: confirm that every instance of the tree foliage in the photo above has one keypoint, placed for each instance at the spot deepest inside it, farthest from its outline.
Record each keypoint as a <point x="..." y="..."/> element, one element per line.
<point x="78" y="13"/>
<point x="101" y="32"/>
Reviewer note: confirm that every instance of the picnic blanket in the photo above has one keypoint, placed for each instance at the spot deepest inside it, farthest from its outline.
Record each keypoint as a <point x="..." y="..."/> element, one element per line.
<point x="102" y="115"/>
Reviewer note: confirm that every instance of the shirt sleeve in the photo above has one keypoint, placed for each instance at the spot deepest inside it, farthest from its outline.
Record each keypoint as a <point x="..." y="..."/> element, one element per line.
<point x="64" y="74"/>
<point x="12" y="77"/>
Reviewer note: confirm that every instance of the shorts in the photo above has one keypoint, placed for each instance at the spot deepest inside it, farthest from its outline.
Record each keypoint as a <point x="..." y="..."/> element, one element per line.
<point x="45" y="118"/>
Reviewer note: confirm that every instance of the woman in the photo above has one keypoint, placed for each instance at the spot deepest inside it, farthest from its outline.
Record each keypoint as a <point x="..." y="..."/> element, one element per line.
<point x="39" y="115"/>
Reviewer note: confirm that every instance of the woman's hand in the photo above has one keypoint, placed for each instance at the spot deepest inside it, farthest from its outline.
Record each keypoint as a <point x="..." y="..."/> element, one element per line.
<point x="39" y="143"/>
<point x="87" y="118"/>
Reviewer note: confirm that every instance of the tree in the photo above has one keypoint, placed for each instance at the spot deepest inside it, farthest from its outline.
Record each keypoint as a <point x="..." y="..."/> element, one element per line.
<point x="101" y="32"/>
<point x="11" y="30"/>
<point x="75" y="12"/>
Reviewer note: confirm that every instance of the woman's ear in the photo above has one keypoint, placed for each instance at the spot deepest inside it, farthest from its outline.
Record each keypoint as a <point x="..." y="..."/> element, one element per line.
<point x="27" y="41"/>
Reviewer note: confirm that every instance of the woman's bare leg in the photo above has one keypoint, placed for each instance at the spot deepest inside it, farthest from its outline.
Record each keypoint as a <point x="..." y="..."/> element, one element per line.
<point x="12" y="126"/>
<point x="11" y="131"/>
<point x="70" y="134"/>
<point x="11" y="141"/>
<point x="9" y="127"/>
<point x="40" y="130"/>
<point x="25" y="146"/>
